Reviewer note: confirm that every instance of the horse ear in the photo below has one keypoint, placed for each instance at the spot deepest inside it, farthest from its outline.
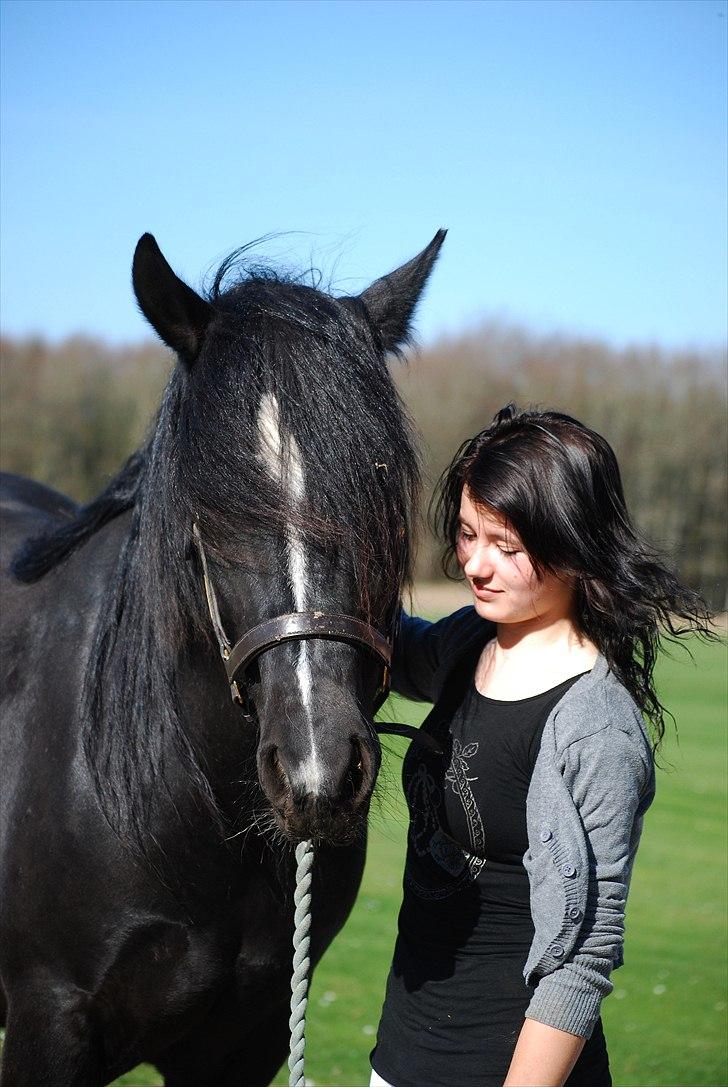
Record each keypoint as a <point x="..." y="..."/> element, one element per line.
<point x="174" y="310"/>
<point x="390" y="301"/>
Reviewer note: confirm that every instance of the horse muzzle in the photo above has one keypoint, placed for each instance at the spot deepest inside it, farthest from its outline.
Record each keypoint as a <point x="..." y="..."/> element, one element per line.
<point x="325" y="794"/>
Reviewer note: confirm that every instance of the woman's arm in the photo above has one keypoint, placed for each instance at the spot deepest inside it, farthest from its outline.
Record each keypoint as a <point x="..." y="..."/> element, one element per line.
<point x="416" y="657"/>
<point x="543" y="1057"/>
<point x="610" y="784"/>
<point x="422" y="650"/>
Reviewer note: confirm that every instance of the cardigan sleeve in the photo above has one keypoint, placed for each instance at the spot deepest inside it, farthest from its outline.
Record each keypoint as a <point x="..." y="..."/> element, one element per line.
<point x="612" y="784"/>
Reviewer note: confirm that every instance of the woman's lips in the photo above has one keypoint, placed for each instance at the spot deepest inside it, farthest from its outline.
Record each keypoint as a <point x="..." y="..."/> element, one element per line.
<point x="484" y="590"/>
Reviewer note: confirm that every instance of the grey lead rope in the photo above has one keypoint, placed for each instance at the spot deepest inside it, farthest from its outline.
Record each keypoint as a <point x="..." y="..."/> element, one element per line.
<point x="301" y="963"/>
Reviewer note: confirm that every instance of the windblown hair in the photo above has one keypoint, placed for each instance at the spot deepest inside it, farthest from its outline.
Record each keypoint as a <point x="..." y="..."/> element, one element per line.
<point x="557" y="485"/>
<point x="320" y="358"/>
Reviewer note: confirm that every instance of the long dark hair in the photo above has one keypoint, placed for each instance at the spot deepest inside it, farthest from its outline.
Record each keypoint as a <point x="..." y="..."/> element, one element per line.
<point x="557" y="483"/>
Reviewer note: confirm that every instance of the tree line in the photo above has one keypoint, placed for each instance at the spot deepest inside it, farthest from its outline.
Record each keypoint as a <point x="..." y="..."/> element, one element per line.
<point x="71" y="412"/>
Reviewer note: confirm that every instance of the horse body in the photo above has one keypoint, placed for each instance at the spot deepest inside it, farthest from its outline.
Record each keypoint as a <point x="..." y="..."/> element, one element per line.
<point x="163" y="960"/>
<point x="146" y="910"/>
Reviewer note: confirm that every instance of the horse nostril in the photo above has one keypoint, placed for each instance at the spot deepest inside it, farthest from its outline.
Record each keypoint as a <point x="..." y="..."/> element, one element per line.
<point x="272" y="771"/>
<point x="356" y="771"/>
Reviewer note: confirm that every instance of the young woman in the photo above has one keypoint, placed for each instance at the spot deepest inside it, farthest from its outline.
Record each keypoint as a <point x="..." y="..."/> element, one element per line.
<point x="524" y="827"/>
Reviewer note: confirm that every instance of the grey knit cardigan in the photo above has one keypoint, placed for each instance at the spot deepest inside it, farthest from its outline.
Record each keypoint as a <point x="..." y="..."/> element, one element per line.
<point x="592" y="782"/>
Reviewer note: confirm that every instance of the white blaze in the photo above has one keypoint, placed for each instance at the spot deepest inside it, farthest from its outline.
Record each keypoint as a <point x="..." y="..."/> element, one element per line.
<point x="282" y="458"/>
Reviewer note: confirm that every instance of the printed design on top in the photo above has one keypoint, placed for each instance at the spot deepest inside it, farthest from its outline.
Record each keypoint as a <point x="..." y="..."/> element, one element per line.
<point x="456" y="867"/>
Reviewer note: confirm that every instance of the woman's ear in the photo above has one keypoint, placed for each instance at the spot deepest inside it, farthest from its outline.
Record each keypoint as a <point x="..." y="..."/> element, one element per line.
<point x="176" y="313"/>
<point x="390" y="301"/>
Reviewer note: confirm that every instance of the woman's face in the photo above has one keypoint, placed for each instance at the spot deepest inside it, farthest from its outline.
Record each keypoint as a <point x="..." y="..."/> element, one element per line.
<point x="505" y="585"/>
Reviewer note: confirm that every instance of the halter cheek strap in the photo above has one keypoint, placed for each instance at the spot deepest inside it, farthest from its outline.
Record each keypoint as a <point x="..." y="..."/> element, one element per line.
<point x="222" y="639"/>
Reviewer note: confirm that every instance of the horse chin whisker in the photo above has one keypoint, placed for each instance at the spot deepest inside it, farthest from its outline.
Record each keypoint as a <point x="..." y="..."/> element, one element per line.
<point x="259" y="821"/>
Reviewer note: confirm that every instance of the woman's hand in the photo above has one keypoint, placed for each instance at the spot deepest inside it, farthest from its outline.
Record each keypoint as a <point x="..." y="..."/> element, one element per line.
<point x="543" y="1057"/>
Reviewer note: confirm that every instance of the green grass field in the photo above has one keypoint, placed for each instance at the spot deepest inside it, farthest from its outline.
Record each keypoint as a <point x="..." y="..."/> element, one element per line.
<point x="666" y="1020"/>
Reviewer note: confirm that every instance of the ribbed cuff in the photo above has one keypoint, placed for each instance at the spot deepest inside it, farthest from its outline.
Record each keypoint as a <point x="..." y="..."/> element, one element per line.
<point x="567" y="1004"/>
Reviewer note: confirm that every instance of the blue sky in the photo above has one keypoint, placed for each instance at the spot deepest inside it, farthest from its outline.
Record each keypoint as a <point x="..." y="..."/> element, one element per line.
<point x="576" y="151"/>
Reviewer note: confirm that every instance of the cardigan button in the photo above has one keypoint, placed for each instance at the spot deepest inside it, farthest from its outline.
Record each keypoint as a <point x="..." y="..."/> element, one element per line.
<point x="575" y="913"/>
<point x="546" y="834"/>
<point x="568" y="870"/>
<point x="556" y="950"/>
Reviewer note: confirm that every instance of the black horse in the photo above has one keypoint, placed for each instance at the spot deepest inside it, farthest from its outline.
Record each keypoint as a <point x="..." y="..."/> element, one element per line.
<point x="146" y="862"/>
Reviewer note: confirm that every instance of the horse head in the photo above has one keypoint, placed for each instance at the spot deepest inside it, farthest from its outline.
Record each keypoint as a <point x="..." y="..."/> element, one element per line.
<point x="289" y="462"/>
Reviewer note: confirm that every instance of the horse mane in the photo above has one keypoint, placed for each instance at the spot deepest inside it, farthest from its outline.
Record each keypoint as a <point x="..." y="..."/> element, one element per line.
<point x="271" y="335"/>
<point x="40" y="554"/>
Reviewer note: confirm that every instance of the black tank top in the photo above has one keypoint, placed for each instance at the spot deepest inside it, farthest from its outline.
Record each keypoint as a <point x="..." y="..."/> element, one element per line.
<point x="456" y="996"/>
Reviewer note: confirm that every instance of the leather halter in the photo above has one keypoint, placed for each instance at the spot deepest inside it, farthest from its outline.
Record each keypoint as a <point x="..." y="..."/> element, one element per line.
<point x="292" y="627"/>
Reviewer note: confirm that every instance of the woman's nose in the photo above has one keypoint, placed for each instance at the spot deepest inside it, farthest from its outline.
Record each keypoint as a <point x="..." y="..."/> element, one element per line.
<point x="478" y="564"/>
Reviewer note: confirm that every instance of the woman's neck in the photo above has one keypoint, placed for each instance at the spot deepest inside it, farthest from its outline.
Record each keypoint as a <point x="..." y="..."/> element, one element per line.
<point x="543" y="632"/>
<point x="532" y="656"/>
